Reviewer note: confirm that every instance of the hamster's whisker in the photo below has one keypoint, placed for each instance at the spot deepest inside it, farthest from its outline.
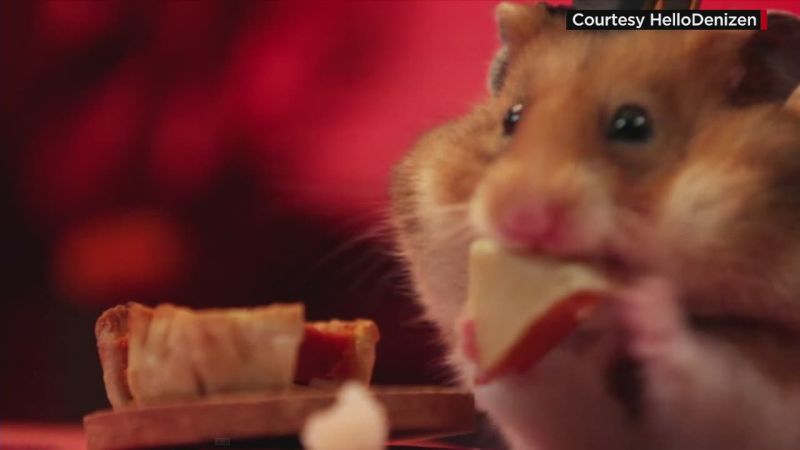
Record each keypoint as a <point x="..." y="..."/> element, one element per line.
<point x="454" y="208"/>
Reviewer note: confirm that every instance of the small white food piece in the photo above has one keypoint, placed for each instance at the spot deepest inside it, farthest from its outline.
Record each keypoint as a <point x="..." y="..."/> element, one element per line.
<point x="527" y="301"/>
<point x="357" y="421"/>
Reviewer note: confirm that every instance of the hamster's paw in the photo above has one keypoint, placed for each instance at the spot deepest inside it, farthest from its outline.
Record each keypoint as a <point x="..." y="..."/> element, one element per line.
<point x="656" y="336"/>
<point x="696" y="392"/>
<point x="651" y="320"/>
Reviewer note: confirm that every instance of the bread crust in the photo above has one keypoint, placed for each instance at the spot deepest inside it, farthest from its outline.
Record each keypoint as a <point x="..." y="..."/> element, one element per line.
<point x="111" y="331"/>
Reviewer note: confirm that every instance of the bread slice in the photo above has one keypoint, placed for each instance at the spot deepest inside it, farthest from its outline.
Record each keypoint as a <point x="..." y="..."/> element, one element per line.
<point x="523" y="305"/>
<point x="176" y="353"/>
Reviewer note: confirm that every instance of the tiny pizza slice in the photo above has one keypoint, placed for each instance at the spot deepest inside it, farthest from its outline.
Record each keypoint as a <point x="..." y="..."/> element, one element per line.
<point x="522" y="306"/>
<point x="172" y="353"/>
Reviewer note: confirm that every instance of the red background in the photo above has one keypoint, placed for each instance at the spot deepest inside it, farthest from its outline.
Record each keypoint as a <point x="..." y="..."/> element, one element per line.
<point x="214" y="153"/>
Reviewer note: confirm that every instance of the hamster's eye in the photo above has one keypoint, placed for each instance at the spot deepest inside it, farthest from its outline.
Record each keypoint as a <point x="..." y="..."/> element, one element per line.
<point x="629" y="124"/>
<point x="513" y="117"/>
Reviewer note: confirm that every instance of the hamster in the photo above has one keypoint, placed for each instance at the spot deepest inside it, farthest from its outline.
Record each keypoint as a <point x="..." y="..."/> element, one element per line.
<point x="671" y="158"/>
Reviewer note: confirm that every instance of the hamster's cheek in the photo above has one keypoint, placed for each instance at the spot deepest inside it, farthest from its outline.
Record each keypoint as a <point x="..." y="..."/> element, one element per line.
<point x="705" y="201"/>
<point x="440" y="271"/>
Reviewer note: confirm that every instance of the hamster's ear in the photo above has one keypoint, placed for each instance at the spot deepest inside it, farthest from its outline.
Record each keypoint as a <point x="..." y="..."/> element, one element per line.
<point x="771" y="62"/>
<point x="518" y="23"/>
<point x="793" y="104"/>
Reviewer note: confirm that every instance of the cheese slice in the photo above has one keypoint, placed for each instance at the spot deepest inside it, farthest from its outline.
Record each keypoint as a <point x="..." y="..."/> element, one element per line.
<point x="524" y="305"/>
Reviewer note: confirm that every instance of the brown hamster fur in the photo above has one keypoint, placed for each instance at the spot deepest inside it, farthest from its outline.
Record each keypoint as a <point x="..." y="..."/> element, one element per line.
<point x="705" y="204"/>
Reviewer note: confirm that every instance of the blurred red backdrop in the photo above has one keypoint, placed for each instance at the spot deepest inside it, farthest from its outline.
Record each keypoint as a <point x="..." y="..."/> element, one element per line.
<point x="214" y="153"/>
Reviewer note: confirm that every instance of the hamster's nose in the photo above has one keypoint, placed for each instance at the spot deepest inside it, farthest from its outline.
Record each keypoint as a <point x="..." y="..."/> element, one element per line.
<point x="534" y="226"/>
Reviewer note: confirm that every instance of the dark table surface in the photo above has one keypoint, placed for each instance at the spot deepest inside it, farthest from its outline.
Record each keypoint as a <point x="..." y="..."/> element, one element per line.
<point x="48" y="436"/>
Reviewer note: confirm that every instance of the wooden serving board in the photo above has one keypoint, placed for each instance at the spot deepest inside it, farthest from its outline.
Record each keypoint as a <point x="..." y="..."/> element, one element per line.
<point x="220" y="421"/>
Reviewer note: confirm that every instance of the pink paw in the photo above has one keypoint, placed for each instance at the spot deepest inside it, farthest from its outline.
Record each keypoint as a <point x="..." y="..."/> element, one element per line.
<point x="651" y="319"/>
